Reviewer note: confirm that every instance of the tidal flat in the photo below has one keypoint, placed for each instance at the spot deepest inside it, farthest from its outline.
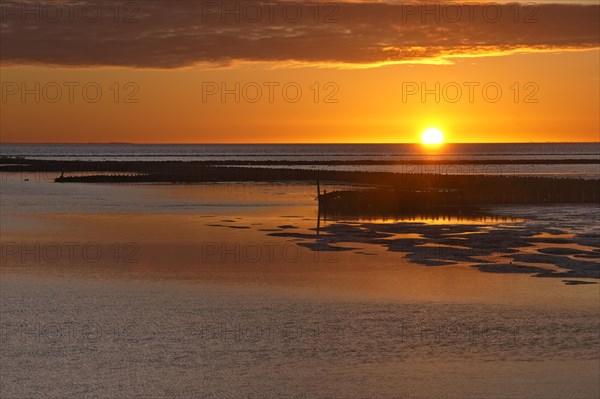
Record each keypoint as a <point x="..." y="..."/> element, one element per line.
<point x="239" y="290"/>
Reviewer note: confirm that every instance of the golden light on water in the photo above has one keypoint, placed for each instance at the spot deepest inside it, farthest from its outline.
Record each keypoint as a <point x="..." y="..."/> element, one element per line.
<point x="432" y="136"/>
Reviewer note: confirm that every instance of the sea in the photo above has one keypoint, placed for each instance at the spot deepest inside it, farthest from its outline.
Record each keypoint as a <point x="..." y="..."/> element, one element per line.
<point x="242" y="291"/>
<point x="502" y="152"/>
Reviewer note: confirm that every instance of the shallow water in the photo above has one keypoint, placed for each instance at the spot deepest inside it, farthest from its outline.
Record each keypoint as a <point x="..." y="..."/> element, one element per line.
<point x="344" y="152"/>
<point x="219" y="291"/>
<point x="126" y="339"/>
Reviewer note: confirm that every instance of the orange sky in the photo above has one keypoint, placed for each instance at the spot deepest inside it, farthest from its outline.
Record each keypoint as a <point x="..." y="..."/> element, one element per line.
<point x="548" y="72"/>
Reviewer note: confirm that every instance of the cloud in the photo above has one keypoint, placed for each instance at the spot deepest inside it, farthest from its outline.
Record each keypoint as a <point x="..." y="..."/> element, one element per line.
<point x="173" y="34"/>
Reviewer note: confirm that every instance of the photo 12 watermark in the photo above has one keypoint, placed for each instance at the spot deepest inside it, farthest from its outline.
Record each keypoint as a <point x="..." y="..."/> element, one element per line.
<point x="255" y="12"/>
<point x="68" y="252"/>
<point x="261" y="252"/>
<point x="69" y="92"/>
<point x="446" y="12"/>
<point x="69" y="12"/>
<point x="64" y="332"/>
<point x="269" y="92"/>
<point x="470" y="92"/>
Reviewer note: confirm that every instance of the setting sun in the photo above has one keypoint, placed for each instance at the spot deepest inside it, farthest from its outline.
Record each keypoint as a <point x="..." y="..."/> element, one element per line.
<point x="318" y="185"/>
<point x="432" y="136"/>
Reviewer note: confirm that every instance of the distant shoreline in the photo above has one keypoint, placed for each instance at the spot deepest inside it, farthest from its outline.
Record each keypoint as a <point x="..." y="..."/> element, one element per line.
<point x="535" y="161"/>
<point x="415" y="143"/>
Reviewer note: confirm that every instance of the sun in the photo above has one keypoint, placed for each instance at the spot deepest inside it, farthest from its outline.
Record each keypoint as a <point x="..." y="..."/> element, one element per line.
<point x="432" y="136"/>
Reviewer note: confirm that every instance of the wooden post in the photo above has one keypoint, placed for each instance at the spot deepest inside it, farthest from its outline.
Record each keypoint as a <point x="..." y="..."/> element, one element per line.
<point x="318" y="204"/>
<point x="318" y="187"/>
<point x="319" y="220"/>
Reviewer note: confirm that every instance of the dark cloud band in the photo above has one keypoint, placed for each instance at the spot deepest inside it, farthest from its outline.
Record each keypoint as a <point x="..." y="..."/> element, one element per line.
<point x="171" y="34"/>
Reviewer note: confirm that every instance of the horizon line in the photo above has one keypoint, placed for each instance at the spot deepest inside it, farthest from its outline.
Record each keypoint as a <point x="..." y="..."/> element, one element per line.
<point x="294" y="143"/>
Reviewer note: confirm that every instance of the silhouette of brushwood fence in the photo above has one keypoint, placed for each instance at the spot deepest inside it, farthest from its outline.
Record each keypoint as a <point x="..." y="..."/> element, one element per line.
<point x="392" y="191"/>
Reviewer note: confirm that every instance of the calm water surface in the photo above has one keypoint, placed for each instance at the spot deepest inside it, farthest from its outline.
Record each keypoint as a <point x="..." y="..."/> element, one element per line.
<point x="229" y="290"/>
